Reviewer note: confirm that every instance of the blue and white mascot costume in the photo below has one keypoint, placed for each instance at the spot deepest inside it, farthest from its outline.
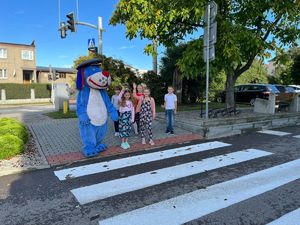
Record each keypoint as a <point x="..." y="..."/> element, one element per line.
<point x="93" y="105"/>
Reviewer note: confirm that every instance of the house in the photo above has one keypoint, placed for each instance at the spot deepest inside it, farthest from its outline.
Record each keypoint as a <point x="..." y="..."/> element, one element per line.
<point x="18" y="65"/>
<point x="61" y="75"/>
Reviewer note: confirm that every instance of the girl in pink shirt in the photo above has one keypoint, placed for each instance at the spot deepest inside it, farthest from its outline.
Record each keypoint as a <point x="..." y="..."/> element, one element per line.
<point x="146" y="108"/>
<point x="126" y="117"/>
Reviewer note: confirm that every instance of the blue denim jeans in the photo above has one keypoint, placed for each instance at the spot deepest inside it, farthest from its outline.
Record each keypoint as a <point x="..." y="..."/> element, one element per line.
<point x="170" y="119"/>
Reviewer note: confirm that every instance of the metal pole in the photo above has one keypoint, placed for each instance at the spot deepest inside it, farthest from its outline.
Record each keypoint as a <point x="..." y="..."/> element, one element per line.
<point x="52" y="84"/>
<point x="207" y="60"/>
<point x="100" y="35"/>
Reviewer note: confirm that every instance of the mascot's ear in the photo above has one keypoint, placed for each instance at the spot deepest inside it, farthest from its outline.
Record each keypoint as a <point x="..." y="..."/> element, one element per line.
<point x="80" y="79"/>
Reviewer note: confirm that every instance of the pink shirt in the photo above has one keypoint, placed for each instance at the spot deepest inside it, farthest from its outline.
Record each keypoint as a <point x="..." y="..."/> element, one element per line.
<point x="127" y="108"/>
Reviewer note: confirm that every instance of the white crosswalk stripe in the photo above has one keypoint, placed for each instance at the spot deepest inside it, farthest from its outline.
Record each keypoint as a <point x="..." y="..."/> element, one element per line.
<point x="186" y="208"/>
<point x="274" y="132"/>
<point x="189" y="206"/>
<point x="136" y="160"/>
<point x="119" y="186"/>
<point x="292" y="218"/>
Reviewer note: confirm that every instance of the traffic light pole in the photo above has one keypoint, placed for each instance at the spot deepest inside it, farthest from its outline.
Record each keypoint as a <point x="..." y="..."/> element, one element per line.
<point x="100" y="30"/>
<point x="207" y="61"/>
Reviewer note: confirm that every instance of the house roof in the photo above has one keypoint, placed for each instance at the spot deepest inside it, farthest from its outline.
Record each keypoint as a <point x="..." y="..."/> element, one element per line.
<point x="57" y="69"/>
<point x="7" y="43"/>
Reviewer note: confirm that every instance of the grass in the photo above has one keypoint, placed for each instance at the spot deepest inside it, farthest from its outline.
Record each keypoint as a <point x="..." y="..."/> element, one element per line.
<point x="13" y="137"/>
<point x="61" y="115"/>
<point x="10" y="146"/>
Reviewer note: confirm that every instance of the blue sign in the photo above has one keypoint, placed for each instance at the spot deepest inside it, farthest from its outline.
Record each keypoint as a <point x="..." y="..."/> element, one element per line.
<point x="91" y="43"/>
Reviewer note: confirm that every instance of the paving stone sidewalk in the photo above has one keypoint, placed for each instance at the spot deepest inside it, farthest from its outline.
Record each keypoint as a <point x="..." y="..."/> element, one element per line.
<point x="60" y="141"/>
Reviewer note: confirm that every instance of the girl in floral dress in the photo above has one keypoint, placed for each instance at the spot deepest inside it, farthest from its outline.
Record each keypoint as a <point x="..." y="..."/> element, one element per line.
<point x="126" y="117"/>
<point x="146" y="108"/>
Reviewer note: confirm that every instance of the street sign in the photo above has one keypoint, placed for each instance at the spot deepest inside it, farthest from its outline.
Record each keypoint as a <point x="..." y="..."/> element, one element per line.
<point x="213" y="12"/>
<point x="211" y="53"/>
<point x="212" y="34"/>
<point x="91" y="43"/>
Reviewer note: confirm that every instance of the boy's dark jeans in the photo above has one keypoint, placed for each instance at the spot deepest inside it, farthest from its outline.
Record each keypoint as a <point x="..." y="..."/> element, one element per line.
<point x="116" y="123"/>
<point x="170" y="119"/>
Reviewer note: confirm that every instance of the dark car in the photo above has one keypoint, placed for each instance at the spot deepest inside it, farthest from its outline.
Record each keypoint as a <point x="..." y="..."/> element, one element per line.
<point x="247" y="93"/>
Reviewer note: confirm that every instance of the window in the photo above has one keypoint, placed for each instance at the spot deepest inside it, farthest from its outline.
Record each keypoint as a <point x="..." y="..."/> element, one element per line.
<point x="27" y="55"/>
<point x="3" y="73"/>
<point x="3" y="53"/>
<point x="62" y="75"/>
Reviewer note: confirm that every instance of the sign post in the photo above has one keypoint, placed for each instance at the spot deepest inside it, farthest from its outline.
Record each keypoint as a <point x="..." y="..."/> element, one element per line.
<point x="210" y="39"/>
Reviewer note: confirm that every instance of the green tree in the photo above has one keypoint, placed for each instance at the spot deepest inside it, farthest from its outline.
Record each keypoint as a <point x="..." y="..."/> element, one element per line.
<point x="295" y="70"/>
<point x="257" y="73"/>
<point x="246" y="29"/>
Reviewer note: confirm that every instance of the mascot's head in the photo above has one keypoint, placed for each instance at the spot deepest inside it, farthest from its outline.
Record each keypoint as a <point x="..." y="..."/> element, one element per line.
<point x="90" y="75"/>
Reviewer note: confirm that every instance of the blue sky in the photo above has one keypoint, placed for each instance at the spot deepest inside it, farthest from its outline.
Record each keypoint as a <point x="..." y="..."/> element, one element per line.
<point x="22" y="21"/>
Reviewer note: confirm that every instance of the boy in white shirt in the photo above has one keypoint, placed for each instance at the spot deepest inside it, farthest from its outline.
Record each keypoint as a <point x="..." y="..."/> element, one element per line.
<point x="170" y="106"/>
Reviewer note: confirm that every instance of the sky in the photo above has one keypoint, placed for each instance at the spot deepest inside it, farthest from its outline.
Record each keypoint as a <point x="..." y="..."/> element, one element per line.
<point x="22" y="21"/>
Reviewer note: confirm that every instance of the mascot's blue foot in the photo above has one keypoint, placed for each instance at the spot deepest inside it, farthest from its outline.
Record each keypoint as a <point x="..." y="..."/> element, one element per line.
<point x="101" y="148"/>
<point x="89" y="154"/>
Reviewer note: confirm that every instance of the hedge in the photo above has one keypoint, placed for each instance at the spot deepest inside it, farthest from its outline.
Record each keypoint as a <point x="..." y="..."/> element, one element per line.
<point x="22" y="91"/>
<point x="10" y="146"/>
<point x="13" y="137"/>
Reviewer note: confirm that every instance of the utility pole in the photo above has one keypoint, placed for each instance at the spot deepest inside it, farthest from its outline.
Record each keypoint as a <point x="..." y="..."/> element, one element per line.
<point x="210" y="39"/>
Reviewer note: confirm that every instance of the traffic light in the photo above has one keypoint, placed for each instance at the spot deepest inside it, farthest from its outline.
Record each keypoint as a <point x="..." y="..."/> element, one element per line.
<point x="71" y="22"/>
<point x="63" y="30"/>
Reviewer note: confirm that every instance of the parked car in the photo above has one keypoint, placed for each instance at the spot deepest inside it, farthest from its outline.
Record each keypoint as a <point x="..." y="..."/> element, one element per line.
<point x="295" y="87"/>
<point x="284" y="89"/>
<point x="247" y="93"/>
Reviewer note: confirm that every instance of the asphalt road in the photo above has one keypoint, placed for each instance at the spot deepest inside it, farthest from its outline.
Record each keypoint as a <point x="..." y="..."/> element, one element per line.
<point x="247" y="179"/>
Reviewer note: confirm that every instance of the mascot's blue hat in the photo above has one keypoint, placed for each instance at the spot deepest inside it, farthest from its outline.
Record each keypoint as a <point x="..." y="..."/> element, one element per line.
<point x="80" y="71"/>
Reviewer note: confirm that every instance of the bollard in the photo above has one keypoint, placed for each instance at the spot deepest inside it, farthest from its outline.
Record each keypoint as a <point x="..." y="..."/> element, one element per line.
<point x="66" y="106"/>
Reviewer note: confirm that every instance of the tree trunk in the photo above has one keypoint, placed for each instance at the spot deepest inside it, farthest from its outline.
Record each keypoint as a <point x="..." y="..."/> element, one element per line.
<point x="154" y="57"/>
<point x="230" y="82"/>
<point x="177" y="84"/>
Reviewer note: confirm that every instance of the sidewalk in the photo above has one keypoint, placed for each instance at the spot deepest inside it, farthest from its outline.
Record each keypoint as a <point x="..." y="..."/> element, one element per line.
<point x="60" y="142"/>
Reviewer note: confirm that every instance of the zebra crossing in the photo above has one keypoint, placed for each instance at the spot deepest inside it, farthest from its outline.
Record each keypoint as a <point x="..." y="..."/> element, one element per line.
<point x="278" y="133"/>
<point x="189" y="206"/>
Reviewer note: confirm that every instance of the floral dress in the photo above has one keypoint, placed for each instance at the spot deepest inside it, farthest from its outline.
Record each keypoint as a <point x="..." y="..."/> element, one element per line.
<point x="146" y="119"/>
<point x="125" y="124"/>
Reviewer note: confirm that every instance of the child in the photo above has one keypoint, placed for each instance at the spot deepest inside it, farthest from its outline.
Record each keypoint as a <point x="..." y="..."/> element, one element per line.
<point x="138" y="95"/>
<point x="126" y="117"/>
<point x="146" y="108"/>
<point x="170" y="106"/>
<point x="115" y="101"/>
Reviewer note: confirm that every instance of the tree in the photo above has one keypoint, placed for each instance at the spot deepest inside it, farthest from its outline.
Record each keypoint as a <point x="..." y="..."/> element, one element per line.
<point x="256" y="74"/>
<point x="246" y="29"/>
<point x="295" y="71"/>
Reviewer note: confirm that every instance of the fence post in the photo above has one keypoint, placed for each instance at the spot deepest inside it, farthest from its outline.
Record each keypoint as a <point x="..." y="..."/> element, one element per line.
<point x="32" y="94"/>
<point x="3" y="95"/>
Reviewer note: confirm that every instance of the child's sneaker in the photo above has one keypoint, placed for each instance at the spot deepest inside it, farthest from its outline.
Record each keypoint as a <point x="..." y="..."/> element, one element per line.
<point x="167" y="132"/>
<point x="124" y="146"/>
<point x="116" y="134"/>
<point x="143" y="141"/>
<point x="151" y="142"/>
<point x="172" y="133"/>
<point x="127" y="145"/>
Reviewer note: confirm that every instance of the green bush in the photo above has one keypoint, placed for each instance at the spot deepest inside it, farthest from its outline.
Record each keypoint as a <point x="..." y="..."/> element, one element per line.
<point x="8" y="121"/>
<point x="22" y="91"/>
<point x="10" y="146"/>
<point x="13" y="127"/>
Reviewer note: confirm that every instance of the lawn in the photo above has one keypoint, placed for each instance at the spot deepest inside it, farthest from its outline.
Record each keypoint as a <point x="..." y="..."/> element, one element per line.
<point x="61" y="115"/>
